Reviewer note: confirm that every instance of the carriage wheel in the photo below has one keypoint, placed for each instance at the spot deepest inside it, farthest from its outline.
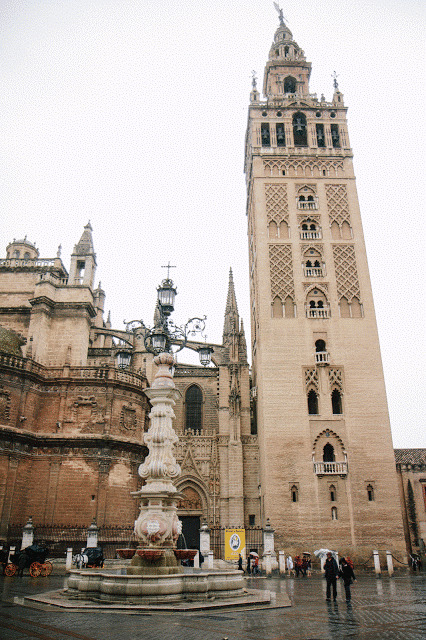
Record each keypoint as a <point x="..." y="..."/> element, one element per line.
<point x="10" y="570"/>
<point x="46" y="569"/>
<point x="35" y="569"/>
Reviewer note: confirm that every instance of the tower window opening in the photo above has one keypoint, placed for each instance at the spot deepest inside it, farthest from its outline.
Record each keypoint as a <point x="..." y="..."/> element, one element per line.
<point x="300" y="130"/>
<point x="320" y="135"/>
<point x="280" y="134"/>
<point x="328" y="453"/>
<point x="16" y="254"/>
<point x="335" y="136"/>
<point x="320" y="346"/>
<point x="294" y="494"/>
<point x="313" y="227"/>
<point x="312" y="403"/>
<point x="193" y="405"/>
<point x="283" y="173"/>
<point x="336" y="402"/>
<point x="289" y="82"/>
<point x="370" y="493"/>
<point x="333" y="496"/>
<point x="324" y="172"/>
<point x="265" y="134"/>
<point x="334" y="513"/>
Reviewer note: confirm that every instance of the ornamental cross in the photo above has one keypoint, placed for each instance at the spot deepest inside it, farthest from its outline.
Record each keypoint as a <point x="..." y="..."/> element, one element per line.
<point x="168" y="267"/>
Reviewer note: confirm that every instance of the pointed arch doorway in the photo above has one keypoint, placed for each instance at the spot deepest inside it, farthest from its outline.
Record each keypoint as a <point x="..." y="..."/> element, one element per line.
<point x="190" y="511"/>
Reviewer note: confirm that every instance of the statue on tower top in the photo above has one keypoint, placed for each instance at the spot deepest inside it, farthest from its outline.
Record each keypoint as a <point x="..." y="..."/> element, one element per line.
<point x="280" y="13"/>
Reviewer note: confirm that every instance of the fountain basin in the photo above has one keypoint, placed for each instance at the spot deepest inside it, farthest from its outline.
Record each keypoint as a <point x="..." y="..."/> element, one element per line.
<point x="185" y="554"/>
<point x="154" y="589"/>
<point x="127" y="554"/>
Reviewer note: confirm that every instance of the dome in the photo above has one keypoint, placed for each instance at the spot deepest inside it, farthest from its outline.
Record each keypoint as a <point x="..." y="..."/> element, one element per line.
<point x="10" y="342"/>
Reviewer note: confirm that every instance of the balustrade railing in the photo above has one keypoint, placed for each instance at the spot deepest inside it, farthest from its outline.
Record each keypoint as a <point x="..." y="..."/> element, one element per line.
<point x="330" y="468"/>
<point x="317" y="313"/>
<point x="21" y="262"/>
<point x="322" y="357"/>
<point x="310" y="235"/>
<point x="310" y="206"/>
<point x="313" y="272"/>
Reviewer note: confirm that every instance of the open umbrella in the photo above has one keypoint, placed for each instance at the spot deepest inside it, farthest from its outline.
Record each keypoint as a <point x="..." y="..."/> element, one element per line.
<point x="253" y="553"/>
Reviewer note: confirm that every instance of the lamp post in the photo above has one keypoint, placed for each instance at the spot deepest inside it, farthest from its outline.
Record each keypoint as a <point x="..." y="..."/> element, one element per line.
<point x="158" y="526"/>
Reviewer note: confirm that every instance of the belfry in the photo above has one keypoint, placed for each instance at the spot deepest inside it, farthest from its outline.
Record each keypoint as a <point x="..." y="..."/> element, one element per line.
<point x="327" y="467"/>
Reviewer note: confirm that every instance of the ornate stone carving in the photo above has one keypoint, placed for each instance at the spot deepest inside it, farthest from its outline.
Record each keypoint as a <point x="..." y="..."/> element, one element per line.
<point x="281" y="271"/>
<point x="346" y="272"/>
<point x="337" y="203"/>
<point x="276" y="203"/>
<point x="299" y="167"/>
<point x="311" y="379"/>
<point x="4" y="404"/>
<point x="128" y="419"/>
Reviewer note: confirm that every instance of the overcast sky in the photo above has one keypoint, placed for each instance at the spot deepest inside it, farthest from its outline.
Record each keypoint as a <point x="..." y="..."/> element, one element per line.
<point x="132" y="114"/>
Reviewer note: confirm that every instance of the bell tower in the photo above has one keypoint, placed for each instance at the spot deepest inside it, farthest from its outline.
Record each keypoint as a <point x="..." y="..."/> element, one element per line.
<point x="327" y="467"/>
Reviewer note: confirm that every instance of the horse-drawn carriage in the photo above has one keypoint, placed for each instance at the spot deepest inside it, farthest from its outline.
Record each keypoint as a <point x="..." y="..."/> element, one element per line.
<point x="90" y="557"/>
<point x="32" y="558"/>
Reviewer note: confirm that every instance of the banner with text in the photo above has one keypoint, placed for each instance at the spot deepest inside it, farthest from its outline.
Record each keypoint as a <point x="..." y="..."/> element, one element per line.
<point x="235" y="543"/>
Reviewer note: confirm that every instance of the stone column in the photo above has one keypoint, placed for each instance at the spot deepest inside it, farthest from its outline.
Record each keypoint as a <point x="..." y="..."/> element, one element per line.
<point x="389" y="562"/>
<point x="210" y="560"/>
<point x="205" y="539"/>
<point x="92" y="535"/>
<point x="268" y="565"/>
<point x="281" y="562"/>
<point x="268" y="543"/>
<point x="27" y="534"/>
<point x="68" y="561"/>
<point x="377" y="568"/>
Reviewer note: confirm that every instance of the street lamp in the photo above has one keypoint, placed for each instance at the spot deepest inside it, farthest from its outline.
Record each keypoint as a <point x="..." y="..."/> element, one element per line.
<point x="167" y="337"/>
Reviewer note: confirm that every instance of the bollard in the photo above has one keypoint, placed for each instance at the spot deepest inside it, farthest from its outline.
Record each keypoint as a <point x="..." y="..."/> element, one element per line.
<point x="377" y="568"/>
<point x="27" y="534"/>
<point x="268" y="565"/>
<point x="390" y="563"/>
<point x="68" y="561"/>
<point x="210" y="560"/>
<point x="11" y="552"/>
<point x="281" y="562"/>
<point x="92" y="535"/>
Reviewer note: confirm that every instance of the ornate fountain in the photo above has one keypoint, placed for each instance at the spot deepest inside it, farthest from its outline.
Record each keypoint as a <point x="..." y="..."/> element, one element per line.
<point x="155" y="574"/>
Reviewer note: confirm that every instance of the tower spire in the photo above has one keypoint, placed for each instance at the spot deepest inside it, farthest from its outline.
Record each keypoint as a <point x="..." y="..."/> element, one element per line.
<point x="231" y="323"/>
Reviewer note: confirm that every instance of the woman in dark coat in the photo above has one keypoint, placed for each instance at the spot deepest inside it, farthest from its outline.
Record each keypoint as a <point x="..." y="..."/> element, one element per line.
<point x="347" y="574"/>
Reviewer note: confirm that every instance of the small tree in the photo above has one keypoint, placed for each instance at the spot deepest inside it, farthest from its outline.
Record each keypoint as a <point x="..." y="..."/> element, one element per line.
<point x="412" y="514"/>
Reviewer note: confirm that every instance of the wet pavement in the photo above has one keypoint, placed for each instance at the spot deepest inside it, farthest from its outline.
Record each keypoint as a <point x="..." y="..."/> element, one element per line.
<point x="381" y="609"/>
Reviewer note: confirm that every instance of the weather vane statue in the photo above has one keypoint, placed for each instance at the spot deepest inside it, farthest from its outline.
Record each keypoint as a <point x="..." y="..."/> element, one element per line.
<point x="335" y="76"/>
<point x="280" y="13"/>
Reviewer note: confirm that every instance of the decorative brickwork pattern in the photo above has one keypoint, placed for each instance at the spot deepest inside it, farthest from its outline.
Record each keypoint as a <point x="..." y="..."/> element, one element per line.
<point x="281" y="271"/>
<point x="346" y="272"/>
<point x="311" y="379"/>
<point x="337" y="203"/>
<point x="276" y="203"/>
<point x="335" y="377"/>
<point x="4" y="405"/>
<point x="316" y="247"/>
<point x="298" y="167"/>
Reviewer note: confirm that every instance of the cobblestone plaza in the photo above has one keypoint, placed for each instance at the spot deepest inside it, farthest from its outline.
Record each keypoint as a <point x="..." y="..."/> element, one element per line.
<point x="391" y="608"/>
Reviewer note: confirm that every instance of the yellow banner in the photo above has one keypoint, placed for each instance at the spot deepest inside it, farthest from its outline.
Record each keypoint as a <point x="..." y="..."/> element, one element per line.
<point x="235" y="543"/>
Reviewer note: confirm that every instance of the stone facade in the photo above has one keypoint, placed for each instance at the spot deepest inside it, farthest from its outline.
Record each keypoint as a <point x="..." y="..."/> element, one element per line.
<point x="322" y="419"/>
<point x="73" y="407"/>
<point x="411" y="471"/>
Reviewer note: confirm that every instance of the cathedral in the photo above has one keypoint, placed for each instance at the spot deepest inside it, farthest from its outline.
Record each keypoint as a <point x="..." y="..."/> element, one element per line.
<point x="304" y="440"/>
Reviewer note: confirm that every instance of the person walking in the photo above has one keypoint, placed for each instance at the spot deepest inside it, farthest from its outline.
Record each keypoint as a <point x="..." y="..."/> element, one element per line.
<point x="248" y="564"/>
<point x="347" y="575"/>
<point x="290" y="565"/>
<point x="240" y="563"/>
<point x="331" y="575"/>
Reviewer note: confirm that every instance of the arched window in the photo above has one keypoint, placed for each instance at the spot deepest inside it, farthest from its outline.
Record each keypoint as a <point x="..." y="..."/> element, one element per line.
<point x="289" y="82"/>
<point x="336" y="401"/>
<point x="299" y="130"/>
<point x="26" y="256"/>
<point x="320" y="346"/>
<point x="335" y="136"/>
<point x="328" y="453"/>
<point x="266" y="137"/>
<point x="16" y="254"/>
<point x="294" y="494"/>
<point x="312" y="403"/>
<point x="280" y="134"/>
<point x="334" y="513"/>
<point x="320" y="135"/>
<point x="193" y="404"/>
<point x="333" y="493"/>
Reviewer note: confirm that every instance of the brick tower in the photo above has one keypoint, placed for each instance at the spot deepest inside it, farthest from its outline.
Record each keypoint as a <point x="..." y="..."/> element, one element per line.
<point x="327" y="468"/>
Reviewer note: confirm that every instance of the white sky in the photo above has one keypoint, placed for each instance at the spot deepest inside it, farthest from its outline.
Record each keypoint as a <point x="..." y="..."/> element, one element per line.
<point x="133" y="113"/>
